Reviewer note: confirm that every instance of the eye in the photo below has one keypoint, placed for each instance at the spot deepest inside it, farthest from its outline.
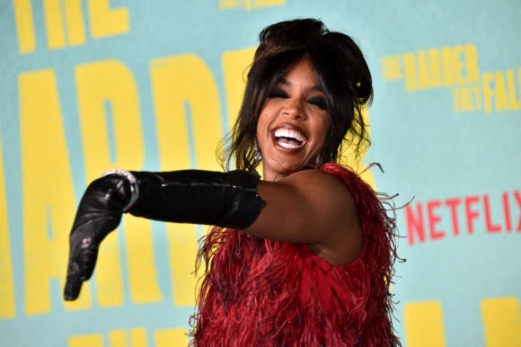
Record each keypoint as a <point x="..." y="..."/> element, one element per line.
<point x="278" y="93"/>
<point x="318" y="101"/>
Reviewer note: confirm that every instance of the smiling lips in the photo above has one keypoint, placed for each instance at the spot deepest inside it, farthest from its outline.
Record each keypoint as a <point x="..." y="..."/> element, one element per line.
<point x="289" y="137"/>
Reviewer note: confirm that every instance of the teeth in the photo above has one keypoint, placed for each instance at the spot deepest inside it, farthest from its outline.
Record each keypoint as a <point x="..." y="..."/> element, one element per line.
<point x="288" y="145"/>
<point x="290" y="134"/>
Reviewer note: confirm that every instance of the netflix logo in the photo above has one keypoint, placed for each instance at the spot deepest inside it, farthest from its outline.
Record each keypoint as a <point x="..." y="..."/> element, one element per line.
<point x="438" y="219"/>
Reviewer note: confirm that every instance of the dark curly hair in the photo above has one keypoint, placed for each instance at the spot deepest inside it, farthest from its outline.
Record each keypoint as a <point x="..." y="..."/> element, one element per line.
<point x="342" y="72"/>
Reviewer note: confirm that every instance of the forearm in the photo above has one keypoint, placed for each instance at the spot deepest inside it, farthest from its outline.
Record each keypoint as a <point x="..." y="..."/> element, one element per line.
<point x="203" y="197"/>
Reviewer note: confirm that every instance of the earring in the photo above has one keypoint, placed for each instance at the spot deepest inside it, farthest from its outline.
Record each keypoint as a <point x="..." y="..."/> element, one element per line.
<point x="330" y="159"/>
<point x="317" y="161"/>
<point x="258" y="155"/>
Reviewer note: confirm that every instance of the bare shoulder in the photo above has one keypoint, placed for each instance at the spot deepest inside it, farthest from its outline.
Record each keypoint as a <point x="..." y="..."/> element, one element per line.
<point x="323" y="184"/>
<point x="314" y="208"/>
<point x="314" y="175"/>
<point x="341" y="236"/>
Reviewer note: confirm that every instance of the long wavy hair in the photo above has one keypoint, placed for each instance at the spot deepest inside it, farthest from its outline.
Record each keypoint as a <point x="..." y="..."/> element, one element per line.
<point x="343" y="75"/>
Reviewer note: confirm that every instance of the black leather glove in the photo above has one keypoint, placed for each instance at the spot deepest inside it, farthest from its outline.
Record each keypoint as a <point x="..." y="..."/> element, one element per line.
<point x="191" y="196"/>
<point x="99" y="212"/>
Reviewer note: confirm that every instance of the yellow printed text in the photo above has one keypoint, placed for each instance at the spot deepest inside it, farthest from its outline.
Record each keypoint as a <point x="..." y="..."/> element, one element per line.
<point x="456" y="67"/>
<point x="65" y="23"/>
<point x="48" y="199"/>
<point x="248" y="4"/>
<point x="136" y="337"/>
<point x="7" y="303"/>
<point x="187" y="107"/>
<point x="501" y="322"/>
<point x="108" y="99"/>
<point x="424" y="324"/>
<point x="433" y="67"/>
<point x="105" y="21"/>
<point x="499" y="91"/>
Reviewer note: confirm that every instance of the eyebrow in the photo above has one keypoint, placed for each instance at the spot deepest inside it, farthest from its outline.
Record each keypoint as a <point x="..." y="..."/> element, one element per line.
<point x="288" y="83"/>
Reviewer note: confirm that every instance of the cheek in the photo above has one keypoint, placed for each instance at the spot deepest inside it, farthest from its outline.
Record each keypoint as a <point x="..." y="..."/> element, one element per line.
<point x="261" y="125"/>
<point x="264" y="120"/>
<point x="323" y="129"/>
<point x="262" y="132"/>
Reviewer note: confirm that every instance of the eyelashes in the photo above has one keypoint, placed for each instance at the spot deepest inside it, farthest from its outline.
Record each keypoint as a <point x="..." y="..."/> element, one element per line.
<point x="318" y="101"/>
<point x="278" y="93"/>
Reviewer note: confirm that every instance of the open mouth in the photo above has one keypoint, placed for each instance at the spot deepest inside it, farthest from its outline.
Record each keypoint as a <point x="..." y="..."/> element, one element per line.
<point x="289" y="138"/>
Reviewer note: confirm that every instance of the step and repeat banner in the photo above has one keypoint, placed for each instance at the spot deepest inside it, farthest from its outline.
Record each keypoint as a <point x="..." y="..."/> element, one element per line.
<point x="154" y="85"/>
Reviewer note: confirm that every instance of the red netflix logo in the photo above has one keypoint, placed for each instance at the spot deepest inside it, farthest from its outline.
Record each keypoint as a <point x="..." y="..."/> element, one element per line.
<point x="424" y="219"/>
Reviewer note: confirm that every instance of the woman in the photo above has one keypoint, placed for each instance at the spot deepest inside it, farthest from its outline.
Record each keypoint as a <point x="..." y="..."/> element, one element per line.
<point x="301" y="258"/>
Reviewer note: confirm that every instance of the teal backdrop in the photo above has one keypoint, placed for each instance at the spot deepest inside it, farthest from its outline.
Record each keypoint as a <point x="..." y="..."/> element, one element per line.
<point x="87" y="85"/>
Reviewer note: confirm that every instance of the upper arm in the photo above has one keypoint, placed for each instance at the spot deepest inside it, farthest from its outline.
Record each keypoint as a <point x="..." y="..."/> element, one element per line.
<point x="311" y="207"/>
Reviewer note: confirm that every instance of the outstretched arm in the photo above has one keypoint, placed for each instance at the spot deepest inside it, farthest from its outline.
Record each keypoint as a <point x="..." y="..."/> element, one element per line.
<point x="309" y="207"/>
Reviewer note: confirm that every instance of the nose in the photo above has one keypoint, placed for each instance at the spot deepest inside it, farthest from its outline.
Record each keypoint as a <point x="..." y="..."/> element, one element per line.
<point x="294" y="109"/>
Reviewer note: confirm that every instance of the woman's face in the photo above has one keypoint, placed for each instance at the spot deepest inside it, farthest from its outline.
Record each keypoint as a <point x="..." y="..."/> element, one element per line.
<point x="293" y="123"/>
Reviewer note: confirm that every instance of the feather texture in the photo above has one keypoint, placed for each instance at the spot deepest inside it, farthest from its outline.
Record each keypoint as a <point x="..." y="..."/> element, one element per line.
<point x="258" y="292"/>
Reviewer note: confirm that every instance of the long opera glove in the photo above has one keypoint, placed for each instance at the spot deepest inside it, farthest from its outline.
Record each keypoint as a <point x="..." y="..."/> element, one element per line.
<point x="191" y="196"/>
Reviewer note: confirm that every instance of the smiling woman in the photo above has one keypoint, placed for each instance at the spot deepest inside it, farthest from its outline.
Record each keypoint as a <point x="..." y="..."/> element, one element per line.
<point x="301" y="258"/>
<point x="293" y="124"/>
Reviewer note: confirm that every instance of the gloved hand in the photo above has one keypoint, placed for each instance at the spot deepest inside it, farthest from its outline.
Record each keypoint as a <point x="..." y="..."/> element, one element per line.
<point x="99" y="213"/>
<point x="191" y="196"/>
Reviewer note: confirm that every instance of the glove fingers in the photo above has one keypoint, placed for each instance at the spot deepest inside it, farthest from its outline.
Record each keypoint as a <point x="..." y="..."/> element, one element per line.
<point x="81" y="266"/>
<point x="99" y="212"/>
<point x="72" y="285"/>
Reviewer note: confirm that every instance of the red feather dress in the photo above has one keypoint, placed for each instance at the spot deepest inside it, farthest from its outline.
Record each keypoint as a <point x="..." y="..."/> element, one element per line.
<point x="258" y="292"/>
